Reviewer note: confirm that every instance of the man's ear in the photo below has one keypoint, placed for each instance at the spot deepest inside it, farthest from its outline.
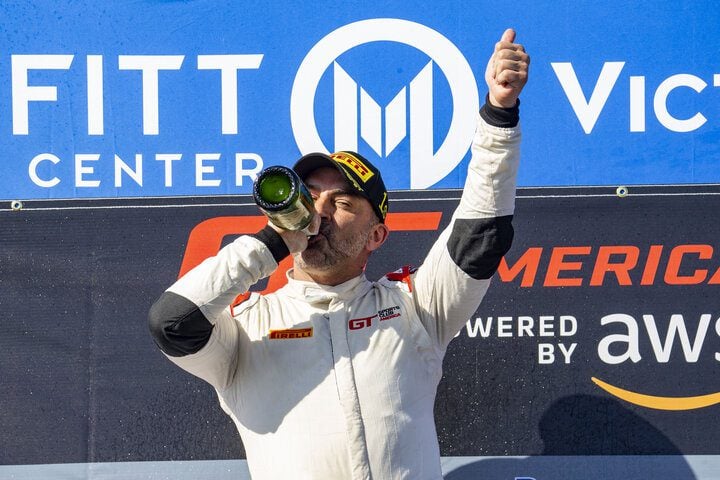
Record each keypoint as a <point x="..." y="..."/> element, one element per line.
<point x="378" y="235"/>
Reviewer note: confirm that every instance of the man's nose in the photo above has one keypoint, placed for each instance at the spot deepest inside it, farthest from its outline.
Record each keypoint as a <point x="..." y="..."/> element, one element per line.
<point x="323" y="206"/>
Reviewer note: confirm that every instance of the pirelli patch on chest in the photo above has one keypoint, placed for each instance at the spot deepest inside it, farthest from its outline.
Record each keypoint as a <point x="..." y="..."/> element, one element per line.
<point x="291" y="333"/>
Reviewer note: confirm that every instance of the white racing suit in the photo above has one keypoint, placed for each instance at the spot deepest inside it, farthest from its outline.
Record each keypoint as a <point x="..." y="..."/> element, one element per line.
<point x="334" y="383"/>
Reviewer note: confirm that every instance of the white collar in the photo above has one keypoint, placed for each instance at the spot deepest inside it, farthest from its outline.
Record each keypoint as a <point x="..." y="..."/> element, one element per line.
<point x="316" y="293"/>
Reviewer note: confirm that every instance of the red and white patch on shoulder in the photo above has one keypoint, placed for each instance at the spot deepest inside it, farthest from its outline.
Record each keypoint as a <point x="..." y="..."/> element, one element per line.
<point x="239" y="300"/>
<point x="402" y="275"/>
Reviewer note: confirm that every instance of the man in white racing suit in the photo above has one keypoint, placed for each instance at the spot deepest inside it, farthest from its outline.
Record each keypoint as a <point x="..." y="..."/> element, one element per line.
<point x="334" y="376"/>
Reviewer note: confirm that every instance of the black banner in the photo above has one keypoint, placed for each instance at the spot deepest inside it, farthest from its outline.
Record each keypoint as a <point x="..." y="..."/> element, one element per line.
<point x="599" y="336"/>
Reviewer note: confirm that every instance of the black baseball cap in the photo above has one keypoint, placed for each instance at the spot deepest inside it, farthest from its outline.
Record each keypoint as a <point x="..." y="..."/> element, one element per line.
<point x="360" y="173"/>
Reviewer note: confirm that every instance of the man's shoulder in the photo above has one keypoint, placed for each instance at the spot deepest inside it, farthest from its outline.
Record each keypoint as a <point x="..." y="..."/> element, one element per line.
<point x="401" y="278"/>
<point x="243" y="302"/>
<point x="249" y="300"/>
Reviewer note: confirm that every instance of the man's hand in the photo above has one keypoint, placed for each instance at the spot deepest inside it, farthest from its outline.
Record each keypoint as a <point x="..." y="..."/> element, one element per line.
<point x="507" y="71"/>
<point x="297" y="240"/>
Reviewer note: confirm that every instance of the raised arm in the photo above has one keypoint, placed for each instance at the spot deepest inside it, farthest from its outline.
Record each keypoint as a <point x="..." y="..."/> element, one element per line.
<point x="455" y="275"/>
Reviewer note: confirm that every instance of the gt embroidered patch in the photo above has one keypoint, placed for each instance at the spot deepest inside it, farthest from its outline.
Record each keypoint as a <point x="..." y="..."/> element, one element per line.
<point x="388" y="313"/>
<point x="365" y="322"/>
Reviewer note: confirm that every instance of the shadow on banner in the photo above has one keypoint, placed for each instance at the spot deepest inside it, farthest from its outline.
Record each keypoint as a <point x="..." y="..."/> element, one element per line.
<point x="589" y="437"/>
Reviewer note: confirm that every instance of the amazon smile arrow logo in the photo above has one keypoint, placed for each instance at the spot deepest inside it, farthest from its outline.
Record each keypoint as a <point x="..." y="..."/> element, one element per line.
<point x="618" y="348"/>
<point x="657" y="402"/>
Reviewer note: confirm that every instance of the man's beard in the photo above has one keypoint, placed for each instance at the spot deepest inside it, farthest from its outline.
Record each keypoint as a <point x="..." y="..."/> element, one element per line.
<point x="326" y="250"/>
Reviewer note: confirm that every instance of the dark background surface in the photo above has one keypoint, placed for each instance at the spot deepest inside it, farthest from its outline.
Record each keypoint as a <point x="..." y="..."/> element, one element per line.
<point x="82" y="381"/>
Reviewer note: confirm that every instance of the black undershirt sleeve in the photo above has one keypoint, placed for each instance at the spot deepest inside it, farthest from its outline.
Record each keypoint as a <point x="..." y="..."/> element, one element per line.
<point x="500" y="117"/>
<point x="177" y="325"/>
<point x="274" y="242"/>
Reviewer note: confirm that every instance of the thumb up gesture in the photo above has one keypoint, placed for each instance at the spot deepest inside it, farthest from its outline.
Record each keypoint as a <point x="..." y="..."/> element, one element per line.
<point x="507" y="71"/>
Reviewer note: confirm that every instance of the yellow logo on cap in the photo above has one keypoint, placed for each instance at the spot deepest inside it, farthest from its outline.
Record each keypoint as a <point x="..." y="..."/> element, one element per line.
<point x="354" y="163"/>
<point x="383" y="205"/>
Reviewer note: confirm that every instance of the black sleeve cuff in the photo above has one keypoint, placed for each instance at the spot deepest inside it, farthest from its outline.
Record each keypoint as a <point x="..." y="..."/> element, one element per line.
<point x="178" y="326"/>
<point x="500" y="117"/>
<point x="477" y="245"/>
<point x="274" y="242"/>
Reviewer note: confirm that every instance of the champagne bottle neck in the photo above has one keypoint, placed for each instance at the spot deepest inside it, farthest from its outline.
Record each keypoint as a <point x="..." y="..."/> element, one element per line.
<point x="276" y="188"/>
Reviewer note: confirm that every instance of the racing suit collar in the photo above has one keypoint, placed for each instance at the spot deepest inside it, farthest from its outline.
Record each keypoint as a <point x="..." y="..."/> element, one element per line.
<point x="313" y="292"/>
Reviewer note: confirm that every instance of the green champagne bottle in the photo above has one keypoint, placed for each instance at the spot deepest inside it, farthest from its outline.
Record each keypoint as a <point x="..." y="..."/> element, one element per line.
<point x="283" y="198"/>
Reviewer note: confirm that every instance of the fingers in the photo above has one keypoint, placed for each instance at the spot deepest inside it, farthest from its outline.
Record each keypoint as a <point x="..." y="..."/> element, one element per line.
<point x="509" y="56"/>
<point x="297" y="240"/>
<point x="503" y="45"/>
<point x="314" y="227"/>
<point x="506" y="49"/>
<point x="515" y="54"/>
<point x="507" y="60"/>
<point x="511" y="78"/>
<point x="507" y="70"/>
<point x="510" y="65"/>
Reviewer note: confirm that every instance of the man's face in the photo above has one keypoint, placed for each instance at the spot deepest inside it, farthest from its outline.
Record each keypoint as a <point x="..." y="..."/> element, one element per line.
<point x="346" y="221"/>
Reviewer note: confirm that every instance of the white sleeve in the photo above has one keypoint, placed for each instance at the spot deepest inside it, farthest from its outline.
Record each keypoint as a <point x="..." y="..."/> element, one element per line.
<point x="453" y="279"/>
<point x="218" y="280"/>
<point x="191" y="321"/>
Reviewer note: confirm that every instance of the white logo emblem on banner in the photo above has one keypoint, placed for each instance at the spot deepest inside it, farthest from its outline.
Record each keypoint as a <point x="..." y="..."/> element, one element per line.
<point x="427" y="165"/>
